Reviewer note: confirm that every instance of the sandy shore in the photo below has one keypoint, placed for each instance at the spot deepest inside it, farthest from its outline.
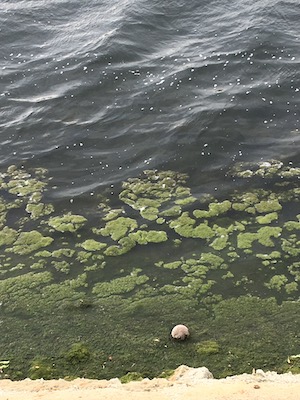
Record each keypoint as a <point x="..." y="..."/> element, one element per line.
<point x="186" y="383"/>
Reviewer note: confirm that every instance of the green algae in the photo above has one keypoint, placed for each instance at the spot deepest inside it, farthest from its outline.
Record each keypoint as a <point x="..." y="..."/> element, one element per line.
<point x="172" y="265"/>
<point x="267" y="206"/>
<point x="35" y="291"/>
<point x="42" y="368"/>
<point x="267" y="219"/>
<point x="233" y="255"/>
<point x="264" y="236"/>
<point x="64" y="293"/>
<point x="266" y="233"/>
<point x="291" y="287"/>
<point x="112" y="214"/>
<point x="199" y="277"/>
<point x="119" y="227"/>
<point x="15" y="291"/>
<point x="264" y="169"/>
<point x="292" y="225"/>
<point x="120" y="285"/>
<point x="39" y="210"/>
<point x="37" y="265"/>
<point x="185" y="201"/>
<point x="28" y="242"/>
<point x="93" y="245"/>
<point x="78" y="353"/>
<point x="148" y="193"/>
<point x="228" y="275"/>
<point x="208" y="347"/>
<point x="291" y="246"/>
<point x="24" y="185"/>
<point x="149" y="213"/>
<point x="131" y="376"/>
<point x="277" y="282"/>
<point x="7" y="236"/>
<point x="67" y="223"/>
<point x="194" y="268"/>
<point x="184" y="226"/>
<point x="43" y="253"/>
<point x="266" y="335"/>
<point x="214" y="210"/>
<point x="213" y="260"/>
<point x="174" y="211"/>
<point x="220" y="242"/>
<point x="61" y="266"/>
<point x="274" y="255"/>
<point x="124" y="246"/>
<point x="145" y="237"/>
<point x="61" y="253"/>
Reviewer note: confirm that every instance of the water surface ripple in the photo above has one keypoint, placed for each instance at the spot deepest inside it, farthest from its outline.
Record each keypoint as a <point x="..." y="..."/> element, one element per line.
<point x="98" y="91"/>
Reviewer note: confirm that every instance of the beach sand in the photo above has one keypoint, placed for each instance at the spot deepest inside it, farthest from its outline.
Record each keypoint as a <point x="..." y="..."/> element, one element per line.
<point x="186" y="383"/>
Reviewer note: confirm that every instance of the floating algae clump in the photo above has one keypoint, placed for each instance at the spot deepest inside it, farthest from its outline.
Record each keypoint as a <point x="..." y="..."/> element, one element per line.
<point x="39" y="210"/>
<point x="221" y="240"/>
<point x="144" y="237"/>
<point x="263" y="236"/>
<point x="267" y="219"/>
<point x="7" y="236"/>
<point x="22" y="184"/>
<point x="93" y="245"/>
<point x="214" y="210"/>
<point x="67" y="223"/>
<point x="174" y="211"/>
<point x="124" y="246"/>
<point x="27" y="242"/>
<point x="148" y="193"/>
<point x="277" y="282"/>
<point x="170" y="265"/>
<point x="184" y="226"/>
<point x="293" y="225"/>
<point x="60" y="253"/>
<point x="61" y="266"/>
<point x="121" y="285"/>
<point x="119" y="227"/>
<point x="264" y="169"/>
<point x="266" y="206"/>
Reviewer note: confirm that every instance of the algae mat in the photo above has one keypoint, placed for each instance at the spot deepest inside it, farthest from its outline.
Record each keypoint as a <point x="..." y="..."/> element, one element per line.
<point x="94" y="291"/>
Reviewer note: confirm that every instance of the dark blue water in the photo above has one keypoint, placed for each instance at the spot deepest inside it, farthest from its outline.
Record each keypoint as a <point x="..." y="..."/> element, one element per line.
<point x="97" y="92"/>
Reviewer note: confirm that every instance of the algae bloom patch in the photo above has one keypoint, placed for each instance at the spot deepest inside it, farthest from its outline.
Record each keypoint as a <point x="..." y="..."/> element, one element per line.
<point x="67" y="223"/>
<point x="156" y="250"/>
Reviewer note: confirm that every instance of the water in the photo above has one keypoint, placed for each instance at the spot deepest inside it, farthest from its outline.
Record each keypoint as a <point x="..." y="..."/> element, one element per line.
<point x="97" y="92"/>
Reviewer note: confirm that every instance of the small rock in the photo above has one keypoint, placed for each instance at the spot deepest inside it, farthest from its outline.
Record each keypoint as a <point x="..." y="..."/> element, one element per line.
<point x="180" y="332"/>
<point x="190" y="376"/>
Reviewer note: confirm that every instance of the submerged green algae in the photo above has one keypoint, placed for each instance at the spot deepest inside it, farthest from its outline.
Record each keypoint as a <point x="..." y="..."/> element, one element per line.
<point x="242" y="245"/>
<point x="234" y="336"/>
<point x="120" y="285"/>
